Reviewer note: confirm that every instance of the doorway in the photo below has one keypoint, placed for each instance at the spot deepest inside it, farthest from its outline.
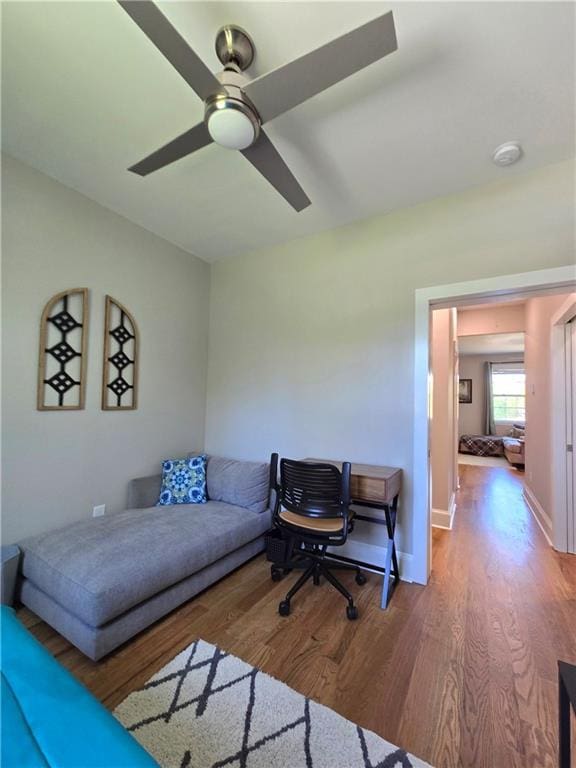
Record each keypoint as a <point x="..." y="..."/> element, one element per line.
<point x="478" y="398"/>
<point x="504" y="288"/>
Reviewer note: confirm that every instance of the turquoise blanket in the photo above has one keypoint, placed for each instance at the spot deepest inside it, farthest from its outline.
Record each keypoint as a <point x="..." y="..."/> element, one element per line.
<point x="51" y="720"/>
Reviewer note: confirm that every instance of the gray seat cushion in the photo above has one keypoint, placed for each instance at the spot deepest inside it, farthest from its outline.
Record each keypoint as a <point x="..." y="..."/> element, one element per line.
<point x="245" y="483"/>
<point x="101" y="567"/>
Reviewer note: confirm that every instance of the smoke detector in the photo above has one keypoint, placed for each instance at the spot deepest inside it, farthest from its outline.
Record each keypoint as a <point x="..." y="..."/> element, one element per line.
<point x="507" y="154"/>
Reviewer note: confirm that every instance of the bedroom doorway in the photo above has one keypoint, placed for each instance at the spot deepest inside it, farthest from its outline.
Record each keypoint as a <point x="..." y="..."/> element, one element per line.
<point x="492" y="385"/>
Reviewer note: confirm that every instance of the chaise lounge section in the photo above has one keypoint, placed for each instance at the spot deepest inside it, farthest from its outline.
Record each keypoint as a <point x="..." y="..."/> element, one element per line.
<point x="99" y="582"/>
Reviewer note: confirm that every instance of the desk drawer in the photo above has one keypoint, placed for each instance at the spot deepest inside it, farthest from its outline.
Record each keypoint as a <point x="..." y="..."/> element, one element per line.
<point x="367" y="489"/>
<point x="377" y="490"/>
<point x="375" y="484"/>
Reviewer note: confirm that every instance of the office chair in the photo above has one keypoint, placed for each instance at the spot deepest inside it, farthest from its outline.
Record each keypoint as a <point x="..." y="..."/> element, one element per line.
<point x="312" y="508"/>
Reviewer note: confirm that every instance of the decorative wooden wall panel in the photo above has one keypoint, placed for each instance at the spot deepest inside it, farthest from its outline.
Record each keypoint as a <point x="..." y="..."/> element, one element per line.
<point x="120" y="364"/>
<point x="63" y="346"/>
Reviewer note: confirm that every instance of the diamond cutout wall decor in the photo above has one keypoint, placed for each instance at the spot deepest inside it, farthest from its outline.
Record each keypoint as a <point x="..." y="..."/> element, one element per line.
<point x="120" y="364"/>
<point x="62" y="357"/>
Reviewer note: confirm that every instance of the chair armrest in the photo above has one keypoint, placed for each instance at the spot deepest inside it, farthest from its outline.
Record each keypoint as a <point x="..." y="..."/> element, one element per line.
<point x="143" y="492"/>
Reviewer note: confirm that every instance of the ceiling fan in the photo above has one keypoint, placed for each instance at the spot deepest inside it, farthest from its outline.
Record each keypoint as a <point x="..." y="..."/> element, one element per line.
<point x="236" y="107"/>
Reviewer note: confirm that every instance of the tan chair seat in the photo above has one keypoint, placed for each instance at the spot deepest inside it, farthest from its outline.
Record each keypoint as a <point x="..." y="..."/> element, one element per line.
<point x="322" y="525"/>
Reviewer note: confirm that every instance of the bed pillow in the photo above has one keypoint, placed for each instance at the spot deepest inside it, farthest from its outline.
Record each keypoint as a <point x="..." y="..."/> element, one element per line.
<point x="183" y="481"/>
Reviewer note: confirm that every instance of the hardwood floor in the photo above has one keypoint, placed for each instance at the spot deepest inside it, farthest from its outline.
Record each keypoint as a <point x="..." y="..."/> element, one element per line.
<point x="462" y="672"/>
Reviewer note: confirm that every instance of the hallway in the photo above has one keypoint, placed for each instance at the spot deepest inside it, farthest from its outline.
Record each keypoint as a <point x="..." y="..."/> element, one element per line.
<point x="508" y="607"/>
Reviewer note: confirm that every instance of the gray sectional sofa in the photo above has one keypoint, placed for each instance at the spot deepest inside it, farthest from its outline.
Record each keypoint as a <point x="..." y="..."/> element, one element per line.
<point x="98" y="582"/>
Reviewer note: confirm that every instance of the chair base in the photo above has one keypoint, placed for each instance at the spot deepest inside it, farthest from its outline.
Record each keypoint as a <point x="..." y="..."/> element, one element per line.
<point x="315" y="569"/>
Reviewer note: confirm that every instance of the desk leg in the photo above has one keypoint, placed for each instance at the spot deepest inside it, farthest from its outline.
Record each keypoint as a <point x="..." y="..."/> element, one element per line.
<point x="391" y="528"/>
<point x="386" y="585"/>
<point x="391" y="559"/>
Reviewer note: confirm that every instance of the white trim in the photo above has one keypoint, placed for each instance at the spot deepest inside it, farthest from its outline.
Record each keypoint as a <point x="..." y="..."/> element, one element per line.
<point x="406" y="566"/>
<point x="539" y="513"/>
<point x="559" y="415"/>
<point x="524" y="283"/>
<point x="444" y="518"/>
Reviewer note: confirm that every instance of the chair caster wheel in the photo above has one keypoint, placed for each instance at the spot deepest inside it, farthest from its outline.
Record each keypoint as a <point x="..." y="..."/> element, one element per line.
<point x="284" y="608"/>
<point x="360" y="579"/>
<point x="276" y="574"/>
<point x="352" y="612"/>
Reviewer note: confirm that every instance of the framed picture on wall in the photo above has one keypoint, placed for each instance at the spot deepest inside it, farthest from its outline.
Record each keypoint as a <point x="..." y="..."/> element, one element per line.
<point x="465" y="391"/>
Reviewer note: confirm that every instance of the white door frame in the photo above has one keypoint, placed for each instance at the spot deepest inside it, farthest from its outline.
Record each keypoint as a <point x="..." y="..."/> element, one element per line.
<point x="519" y="285"/>
<point x="559" y="416"/>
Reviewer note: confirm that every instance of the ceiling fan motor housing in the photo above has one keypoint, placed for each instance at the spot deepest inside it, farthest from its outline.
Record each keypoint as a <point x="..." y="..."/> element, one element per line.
<point x="231" y="119"/>
<point x="235" y="107"/>
<point x="234" y="45"/>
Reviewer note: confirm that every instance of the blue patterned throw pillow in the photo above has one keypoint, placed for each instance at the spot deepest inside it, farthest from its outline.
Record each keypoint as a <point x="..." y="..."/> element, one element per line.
<point x="183" y="481"/>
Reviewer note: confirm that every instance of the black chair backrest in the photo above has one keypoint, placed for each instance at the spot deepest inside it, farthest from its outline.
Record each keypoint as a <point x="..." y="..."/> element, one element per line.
<point x="314" y="490"/>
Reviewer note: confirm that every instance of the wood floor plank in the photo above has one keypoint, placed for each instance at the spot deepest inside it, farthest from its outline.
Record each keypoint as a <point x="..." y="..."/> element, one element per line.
<point x="461" y="672"/>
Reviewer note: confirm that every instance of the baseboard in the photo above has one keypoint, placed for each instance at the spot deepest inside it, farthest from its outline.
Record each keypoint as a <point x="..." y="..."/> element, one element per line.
<point x="539" y="514"/>
<point x="441" y="518"/>
<point x="444" y="518"/>
<point x="405" y="563"/>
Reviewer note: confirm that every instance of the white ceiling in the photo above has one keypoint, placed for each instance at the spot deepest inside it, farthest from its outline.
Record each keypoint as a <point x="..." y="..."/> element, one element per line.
<point x="85" y="94"/>
<point x="491" y="344"/>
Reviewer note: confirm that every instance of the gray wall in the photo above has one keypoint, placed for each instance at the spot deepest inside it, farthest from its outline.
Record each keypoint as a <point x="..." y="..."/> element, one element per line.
<point x="471" y="415"/>
<point x="312" y="342"/>
<point x="56" y="466"/>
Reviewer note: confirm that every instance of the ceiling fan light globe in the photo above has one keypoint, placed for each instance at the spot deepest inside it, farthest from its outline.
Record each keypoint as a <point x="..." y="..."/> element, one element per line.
<point x="231" y="127"/>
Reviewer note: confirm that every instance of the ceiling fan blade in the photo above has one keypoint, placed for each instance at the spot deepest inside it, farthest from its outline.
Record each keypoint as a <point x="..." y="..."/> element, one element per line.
<point x="265" y="157"/>
<point x="170" y="42"/>
<point x="182" y="145"/>
<point x="289" y="85"/>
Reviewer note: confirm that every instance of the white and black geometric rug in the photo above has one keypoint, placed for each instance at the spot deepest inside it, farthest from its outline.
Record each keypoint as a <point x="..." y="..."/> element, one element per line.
<point x="208" y="709"/>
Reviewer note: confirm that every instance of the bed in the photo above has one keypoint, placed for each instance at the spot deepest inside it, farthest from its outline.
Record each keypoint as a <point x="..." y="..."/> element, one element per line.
<point x="481" y="445"/>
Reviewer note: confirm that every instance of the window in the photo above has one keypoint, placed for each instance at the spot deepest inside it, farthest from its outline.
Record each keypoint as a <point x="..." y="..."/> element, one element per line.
<point x="509" y="392"/>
